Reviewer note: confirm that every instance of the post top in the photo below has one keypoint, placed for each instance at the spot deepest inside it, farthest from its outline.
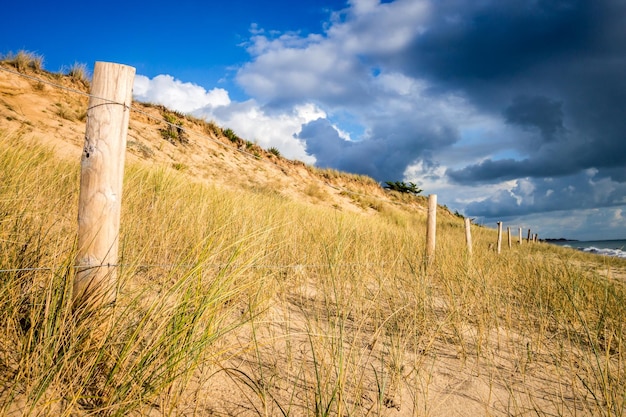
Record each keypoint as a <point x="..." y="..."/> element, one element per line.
<point x="113" y="65"/>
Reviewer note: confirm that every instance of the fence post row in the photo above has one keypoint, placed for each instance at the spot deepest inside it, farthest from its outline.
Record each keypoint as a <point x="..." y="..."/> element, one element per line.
<point x="468" y="235"/>
<point x="499" y="237"/>
<point x="101" y="177"/>
<point x="534" y="237"/>
<point x="431" y="230"/>
<point x="508" y="232"/>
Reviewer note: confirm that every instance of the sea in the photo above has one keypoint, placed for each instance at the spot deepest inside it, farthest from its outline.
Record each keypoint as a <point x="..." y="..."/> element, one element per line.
<point x="616" y="248"/>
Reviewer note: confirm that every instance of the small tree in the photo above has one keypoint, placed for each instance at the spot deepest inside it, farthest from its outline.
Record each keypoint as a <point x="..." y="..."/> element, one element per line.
<point x="274" y="150"/>
<point x="231" y="135"/>
<point x="401" y="186"/>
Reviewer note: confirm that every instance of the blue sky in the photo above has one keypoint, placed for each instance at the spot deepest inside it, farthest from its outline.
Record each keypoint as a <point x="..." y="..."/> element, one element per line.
<point x="509" y="110"/>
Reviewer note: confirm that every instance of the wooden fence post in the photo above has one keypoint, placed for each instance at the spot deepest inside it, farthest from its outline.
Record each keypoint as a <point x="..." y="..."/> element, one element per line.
<point x="431" y="231"/>
<point x="508" y="232"/>
<point x="520" y="236"/>
<point x="499" y="237"/>
<point x="468" y="235"/>
<point x="528" y="238"/>
<point x="101" y="177"/>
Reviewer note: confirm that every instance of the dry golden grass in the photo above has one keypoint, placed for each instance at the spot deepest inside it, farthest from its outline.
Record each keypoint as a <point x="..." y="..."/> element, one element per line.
<point x="24" y="61"/>
<point x="238" y="298"/>
<point x="281" y="308"/>
<point x="57" y="117"/>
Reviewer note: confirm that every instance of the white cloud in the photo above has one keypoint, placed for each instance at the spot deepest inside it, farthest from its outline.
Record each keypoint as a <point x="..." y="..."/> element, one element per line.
<point x="398" y="83"/>
<point x="177" y="95"/>
<point x="248" y="119"/>
<point x="334" y="66"/>
<point x="314" y="70"/>
<point x="361" y="7"/>
<point x="278" y="129"/>
<point x="342" y="133"/>
<point x="373" y="28"/>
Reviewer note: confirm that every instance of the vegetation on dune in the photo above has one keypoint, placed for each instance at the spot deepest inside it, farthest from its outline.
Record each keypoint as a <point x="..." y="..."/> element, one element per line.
<point x="246" y="302"/>
<point x="24" y="60"/>
<point x="331" y="174"/>
<point x="231" y="135"/>
<point x="402" y="187"/>
<point x="274" y="151"/>
<point x="298" y="309"/>
<point x="177" y="125"/>
<point x="173" y="131"/>
<point x="78" y="73"/>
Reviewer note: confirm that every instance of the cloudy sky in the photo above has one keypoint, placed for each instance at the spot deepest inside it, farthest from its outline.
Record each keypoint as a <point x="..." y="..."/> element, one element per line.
<point x="511" y="110"/>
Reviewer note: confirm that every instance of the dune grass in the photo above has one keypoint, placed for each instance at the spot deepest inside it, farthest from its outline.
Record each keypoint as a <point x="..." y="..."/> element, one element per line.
<point x="252" y="304"/>
<point x="24" y="60"/>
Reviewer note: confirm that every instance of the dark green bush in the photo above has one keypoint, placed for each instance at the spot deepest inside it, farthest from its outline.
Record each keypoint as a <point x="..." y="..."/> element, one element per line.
<point x="401" y="186"/>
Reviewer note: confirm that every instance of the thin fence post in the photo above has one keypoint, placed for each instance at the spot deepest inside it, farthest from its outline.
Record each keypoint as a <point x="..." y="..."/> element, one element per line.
<point x="520" y="236"/>
<point x="101" y="177"/>
<point x="528" y="237"/>
<point x="468" y="235"/>
<point x="499" y="237"/>
<point x="508" y="232"/>
<point x="431" y="231"/>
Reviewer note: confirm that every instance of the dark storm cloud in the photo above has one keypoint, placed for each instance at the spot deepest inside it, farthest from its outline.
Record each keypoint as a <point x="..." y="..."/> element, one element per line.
<point x="384" y="155"/>
<point x="541" y="85"/>
<point x="555" y="162"/>
<point x="555" y="69"/>
<point x="538" y="112"/>
<point x="489" y="170"/>
<point x="580" y="191"/>
<point x="497" y="39"/>
<point x="371" y="157"/>
<point x="616" y="174"/>
<point x="323" y="141"/>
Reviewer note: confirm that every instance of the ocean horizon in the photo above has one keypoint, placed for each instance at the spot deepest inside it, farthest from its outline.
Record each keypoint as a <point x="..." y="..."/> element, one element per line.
<point x="614" y="247"/>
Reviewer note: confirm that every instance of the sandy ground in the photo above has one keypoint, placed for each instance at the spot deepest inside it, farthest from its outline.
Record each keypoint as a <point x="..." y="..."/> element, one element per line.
<point x="57" y="117"/>
<point x="512" y="375"/>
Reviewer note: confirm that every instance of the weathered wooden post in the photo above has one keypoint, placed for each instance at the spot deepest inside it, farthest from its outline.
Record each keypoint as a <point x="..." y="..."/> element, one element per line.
<point x="431" y="231"/>
<point x="101" y="176"/>
<point x="520" y="236"/>
<point x="468" y="235"/>
<point x="508" y="232"/>
<point x="528" y="237"/>
<point x="499" y="237"/>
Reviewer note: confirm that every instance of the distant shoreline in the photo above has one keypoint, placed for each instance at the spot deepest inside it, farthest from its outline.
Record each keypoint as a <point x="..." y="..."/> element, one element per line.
<point x="614" y="247"/>
<point x="581" y="241"/>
